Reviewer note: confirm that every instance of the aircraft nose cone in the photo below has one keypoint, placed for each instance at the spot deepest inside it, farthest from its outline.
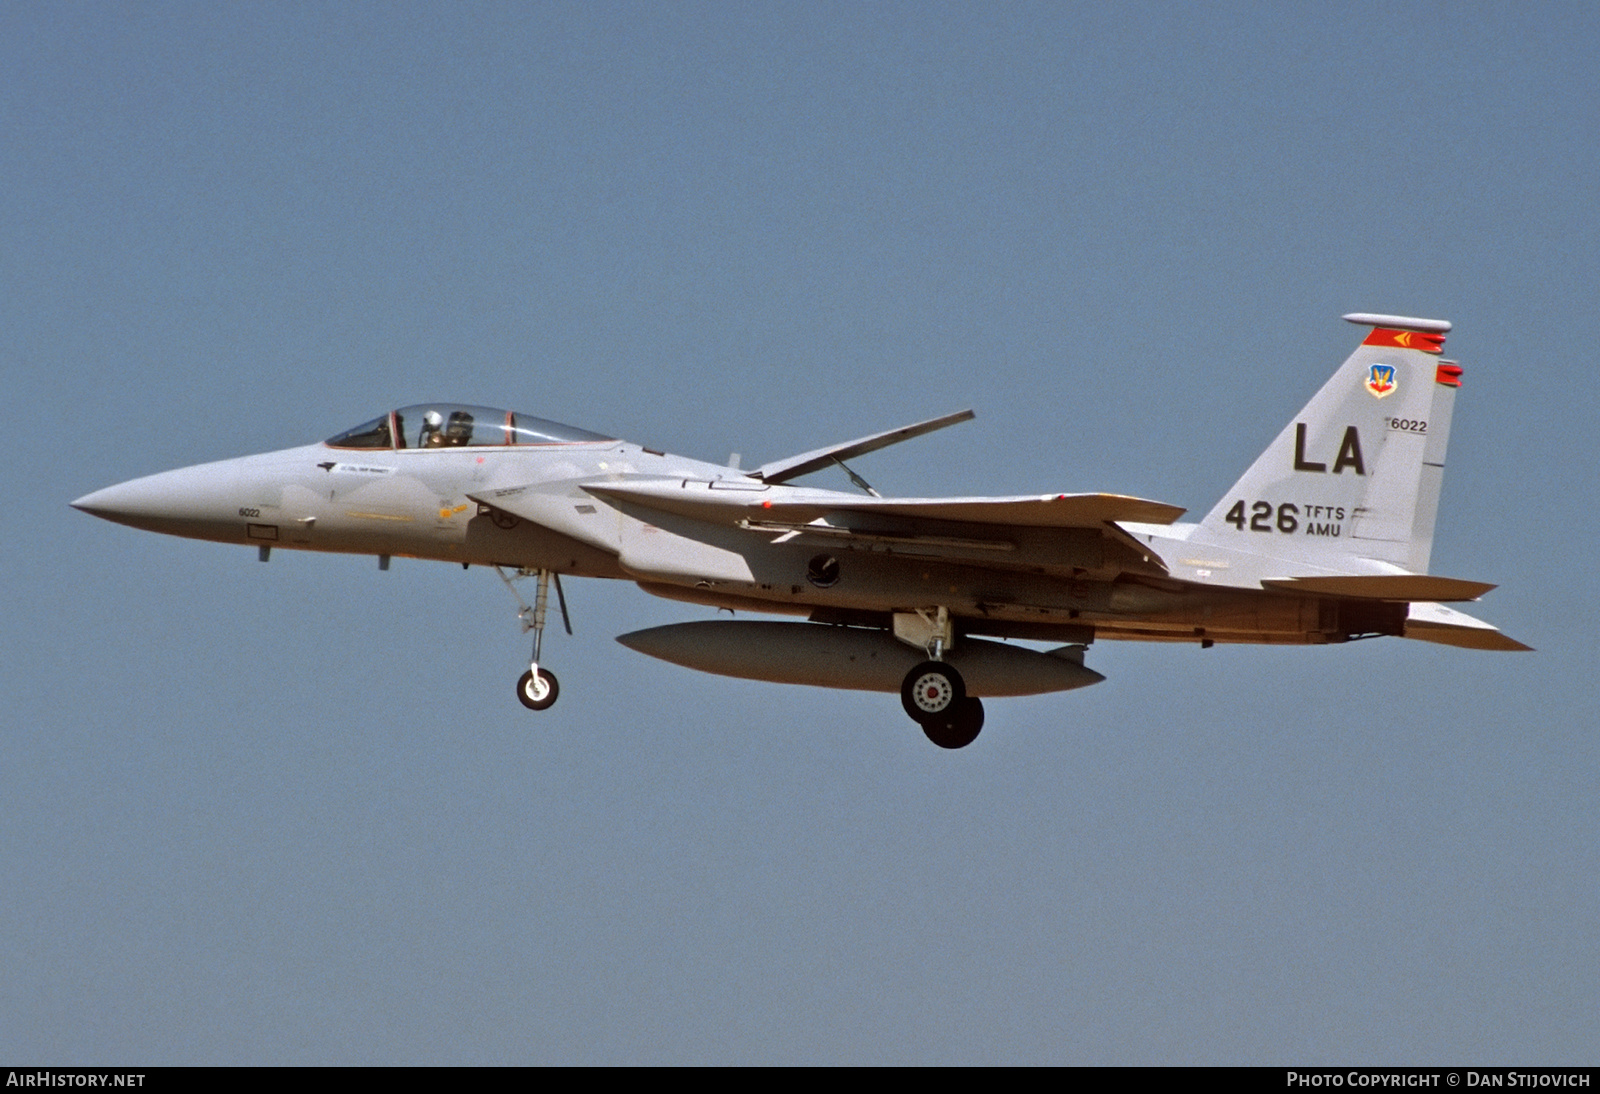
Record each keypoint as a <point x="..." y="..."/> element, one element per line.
<point x="154" y="502"/>
<point x="198" y="501"/>
<point x="123" y="502"/>
<point x="219" y="501"/>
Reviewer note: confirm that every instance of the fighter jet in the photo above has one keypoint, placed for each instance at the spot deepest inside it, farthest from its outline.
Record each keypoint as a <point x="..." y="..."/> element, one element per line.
<point x="1325" y="538"/>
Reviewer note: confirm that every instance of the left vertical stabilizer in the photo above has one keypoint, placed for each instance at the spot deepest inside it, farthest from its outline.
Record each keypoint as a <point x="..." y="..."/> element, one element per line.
<point x="1357" y="473"/>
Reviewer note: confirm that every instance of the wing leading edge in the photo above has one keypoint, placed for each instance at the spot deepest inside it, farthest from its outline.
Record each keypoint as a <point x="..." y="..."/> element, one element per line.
<point x="720" y="502"/>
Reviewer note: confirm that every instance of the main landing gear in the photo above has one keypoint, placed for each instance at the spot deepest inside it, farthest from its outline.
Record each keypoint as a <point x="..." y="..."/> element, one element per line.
<point x="537" y="688"/>
<point x="936" y="697"/>
<point x="933" y="692"/>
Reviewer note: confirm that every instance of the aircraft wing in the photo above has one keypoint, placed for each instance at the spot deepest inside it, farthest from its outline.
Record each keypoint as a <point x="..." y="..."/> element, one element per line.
<point x="807" y="462"/>
<point x="725" y="503"/>
<point x="986" y="529"/>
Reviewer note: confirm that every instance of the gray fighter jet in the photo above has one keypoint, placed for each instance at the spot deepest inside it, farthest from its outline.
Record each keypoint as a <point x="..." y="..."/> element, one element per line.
<point x="1326" y="538"/>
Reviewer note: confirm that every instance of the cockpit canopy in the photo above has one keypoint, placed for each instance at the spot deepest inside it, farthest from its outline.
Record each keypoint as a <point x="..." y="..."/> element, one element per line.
<point x="452" y="425"/>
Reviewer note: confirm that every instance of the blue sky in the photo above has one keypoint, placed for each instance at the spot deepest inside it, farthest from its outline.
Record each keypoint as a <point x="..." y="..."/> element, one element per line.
<point x="292" y="813"/>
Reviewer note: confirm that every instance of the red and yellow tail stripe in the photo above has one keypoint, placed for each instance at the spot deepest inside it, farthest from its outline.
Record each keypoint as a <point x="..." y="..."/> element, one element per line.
<point x="1405" y="339"/>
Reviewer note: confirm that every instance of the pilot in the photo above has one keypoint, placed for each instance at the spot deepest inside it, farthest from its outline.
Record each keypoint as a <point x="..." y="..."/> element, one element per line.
<point x="432" y="436"/>
<point x="458" y="433"/>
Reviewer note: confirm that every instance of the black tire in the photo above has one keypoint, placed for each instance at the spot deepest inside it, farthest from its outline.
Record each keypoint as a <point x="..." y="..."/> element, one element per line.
<point x="541" y="697"/>
<point x="958" y="727"/>
<point x="931" y="689"/>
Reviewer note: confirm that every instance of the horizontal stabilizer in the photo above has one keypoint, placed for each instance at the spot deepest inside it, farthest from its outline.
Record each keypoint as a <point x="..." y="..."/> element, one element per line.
<point x="807" y="462"/>
<point x="1448" y="627"/>
<point x="1411" y="587"/>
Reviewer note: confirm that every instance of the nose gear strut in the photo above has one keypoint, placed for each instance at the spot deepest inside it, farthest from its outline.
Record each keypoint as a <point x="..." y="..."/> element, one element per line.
<point x="537" y="688"/>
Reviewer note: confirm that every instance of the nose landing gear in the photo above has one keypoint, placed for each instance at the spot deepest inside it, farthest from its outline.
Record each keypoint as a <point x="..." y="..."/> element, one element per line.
<point x="537" y="688"/>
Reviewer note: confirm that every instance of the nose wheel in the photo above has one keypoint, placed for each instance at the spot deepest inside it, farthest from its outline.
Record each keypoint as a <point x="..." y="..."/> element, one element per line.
<point x="936" y="698"/>
<point x="538" y="689"/>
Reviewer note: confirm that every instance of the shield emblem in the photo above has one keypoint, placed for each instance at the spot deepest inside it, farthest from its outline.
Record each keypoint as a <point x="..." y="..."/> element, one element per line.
<point x="1380" y="380"/>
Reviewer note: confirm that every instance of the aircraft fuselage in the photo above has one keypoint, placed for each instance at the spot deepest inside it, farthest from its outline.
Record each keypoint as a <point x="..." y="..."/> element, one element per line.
<point x="1325" y="538"/>
<point x="1050" y="584"/>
